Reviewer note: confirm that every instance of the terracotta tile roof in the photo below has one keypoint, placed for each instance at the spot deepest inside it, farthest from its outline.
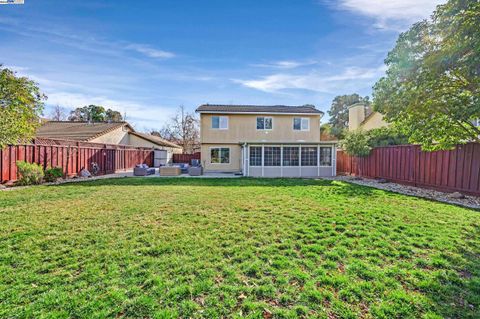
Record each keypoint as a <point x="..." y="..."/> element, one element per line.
<point x="223" y="108"/>
<point x="155" y="139"/>
<point x="77" y="131"/>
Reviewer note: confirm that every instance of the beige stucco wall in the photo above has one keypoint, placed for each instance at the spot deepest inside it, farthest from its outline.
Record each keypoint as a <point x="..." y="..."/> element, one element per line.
<point x="243" y="128"/>
<point x="375" y="120"/>
<point x="140" y="142"/>
<point x="119" y="136"/>
<point x="235" y="158"/>
<point x="356" y="115"/>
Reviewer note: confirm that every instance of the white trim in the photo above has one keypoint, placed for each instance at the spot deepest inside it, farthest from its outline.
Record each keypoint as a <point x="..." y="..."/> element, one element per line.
<point x="300" y="160"/>
<point x="281" y="160"/>
<point x="318" y="160"/>
<point x="263" y="160"/>
<point x="266" y="113"/>
<point x="220" y="147"/>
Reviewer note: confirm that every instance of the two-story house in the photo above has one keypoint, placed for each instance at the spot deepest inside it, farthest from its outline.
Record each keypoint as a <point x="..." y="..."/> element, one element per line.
<point x="269" y="141"/>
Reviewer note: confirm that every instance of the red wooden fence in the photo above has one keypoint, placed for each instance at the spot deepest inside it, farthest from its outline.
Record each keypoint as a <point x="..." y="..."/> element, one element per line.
<point x="71" y="157"/>
<point x="454" y="170"/>
<point x="185" y="158"/>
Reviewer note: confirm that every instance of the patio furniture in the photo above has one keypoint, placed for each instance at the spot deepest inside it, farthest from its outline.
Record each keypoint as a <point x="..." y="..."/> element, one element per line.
<point x="170" y="171"/>
<point x="195" y="171"/>
<point x="184" y="167"/>
<point x="143" y="170"/>
<point x="195" y="162"/>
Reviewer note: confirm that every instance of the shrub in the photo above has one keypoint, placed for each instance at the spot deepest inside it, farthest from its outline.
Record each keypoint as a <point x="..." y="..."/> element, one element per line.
<point x="52" y="174"/>
<point x="386" y="136"/>
<point x="29" y="173"/>
<point x="356" y="143"/>
<point x="360" y="143"/>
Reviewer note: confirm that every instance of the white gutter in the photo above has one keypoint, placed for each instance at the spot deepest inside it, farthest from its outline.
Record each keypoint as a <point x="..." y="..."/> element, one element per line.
<point x="263" y="113"/>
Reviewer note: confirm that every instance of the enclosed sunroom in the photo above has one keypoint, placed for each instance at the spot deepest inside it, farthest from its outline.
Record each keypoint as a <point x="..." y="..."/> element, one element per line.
<point x="289" y="160"/>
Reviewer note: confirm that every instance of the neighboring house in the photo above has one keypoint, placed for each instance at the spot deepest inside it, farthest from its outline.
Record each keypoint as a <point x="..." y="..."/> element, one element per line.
<point x="362" y="117"/>
<point x="270" y="141"/>
<point x="119" y="133"/>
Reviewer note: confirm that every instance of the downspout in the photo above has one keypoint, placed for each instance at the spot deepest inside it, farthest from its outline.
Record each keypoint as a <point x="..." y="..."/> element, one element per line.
<point x="244" y="159"/>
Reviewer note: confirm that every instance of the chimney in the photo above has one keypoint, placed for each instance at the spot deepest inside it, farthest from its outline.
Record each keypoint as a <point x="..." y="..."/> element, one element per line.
<point x="356" y="115"/>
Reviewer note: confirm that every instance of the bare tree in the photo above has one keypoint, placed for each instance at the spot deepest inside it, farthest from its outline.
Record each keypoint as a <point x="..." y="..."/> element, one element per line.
<point x="58" y="113"/>
<point x="182" y="129"/>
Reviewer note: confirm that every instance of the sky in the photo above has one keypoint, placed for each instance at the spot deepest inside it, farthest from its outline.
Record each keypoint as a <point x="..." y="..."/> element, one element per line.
<point x="145" y="58"/>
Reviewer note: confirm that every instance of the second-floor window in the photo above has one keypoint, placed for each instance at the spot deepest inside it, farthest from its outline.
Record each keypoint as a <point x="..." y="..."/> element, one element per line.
<point x="301" y="124"/>
<point x="220" y="122"/>
<point x="264" y="123"/>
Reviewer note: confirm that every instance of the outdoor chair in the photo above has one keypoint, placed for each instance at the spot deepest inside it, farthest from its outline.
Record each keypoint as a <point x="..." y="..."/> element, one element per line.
<point x="184" y="168"/>
<point x="143" y="170"/>
<point x="195" y="171"/>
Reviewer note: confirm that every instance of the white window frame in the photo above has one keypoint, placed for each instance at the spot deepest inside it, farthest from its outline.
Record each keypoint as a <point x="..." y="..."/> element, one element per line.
<point x="264" y="117"/>
<point x="302" y="121"/>
<point x="220" y="117"/>
<point x="261" y="155"/>
<point x="219" y="148"/>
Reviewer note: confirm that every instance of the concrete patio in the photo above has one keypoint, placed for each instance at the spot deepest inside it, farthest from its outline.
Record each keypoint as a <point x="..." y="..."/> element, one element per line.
<point x="129" y="173"/>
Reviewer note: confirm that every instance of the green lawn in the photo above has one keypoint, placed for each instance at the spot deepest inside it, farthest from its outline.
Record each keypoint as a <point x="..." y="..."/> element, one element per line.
<point x="256" y="248"/>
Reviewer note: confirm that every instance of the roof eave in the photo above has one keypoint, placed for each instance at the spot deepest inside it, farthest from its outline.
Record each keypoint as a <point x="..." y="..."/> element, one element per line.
<point x="263" y="113"/>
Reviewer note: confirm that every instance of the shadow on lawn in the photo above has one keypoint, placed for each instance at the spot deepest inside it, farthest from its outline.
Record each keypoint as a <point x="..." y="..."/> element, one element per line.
<point x="340" y="187"/>
<point x="457" y="293"/>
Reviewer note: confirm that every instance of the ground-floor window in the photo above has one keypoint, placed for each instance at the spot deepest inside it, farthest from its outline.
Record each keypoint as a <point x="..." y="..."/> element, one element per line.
<point x="220" y="155"/>
<point x="290" y="156"/>
<point x="273" y="156"/>
<point x="255" y="156"/>
<point x="325" y="156"/>
<point x="309" y="156"/>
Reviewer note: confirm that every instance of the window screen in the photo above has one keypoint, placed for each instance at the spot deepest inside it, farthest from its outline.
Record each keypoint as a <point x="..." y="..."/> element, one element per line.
<point x="309" y="156"/>
<point x="272" y="156"/>
<point x="255" y="156"/>
<point x="290" y="156"/>
<point x="325" y="156"/>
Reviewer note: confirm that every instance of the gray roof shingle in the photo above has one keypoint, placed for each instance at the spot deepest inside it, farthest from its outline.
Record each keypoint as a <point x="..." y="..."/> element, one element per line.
<point x="76" y="131"/>
<point x="224" y="108"/>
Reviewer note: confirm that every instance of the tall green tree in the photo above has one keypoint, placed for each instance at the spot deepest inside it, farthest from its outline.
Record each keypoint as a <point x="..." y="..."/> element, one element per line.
<point x="113" y="116"/>
<point x="339" y="112"/>
<point x="21" y="105"/>
<point x="431" y="90"/>
<point x="95" y="113"/>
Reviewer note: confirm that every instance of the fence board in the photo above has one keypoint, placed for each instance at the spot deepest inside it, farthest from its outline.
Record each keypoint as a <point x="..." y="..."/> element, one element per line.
<point x="453" y="170"/>
<point x="71" y="157"/>
<point x="185" y="158"/>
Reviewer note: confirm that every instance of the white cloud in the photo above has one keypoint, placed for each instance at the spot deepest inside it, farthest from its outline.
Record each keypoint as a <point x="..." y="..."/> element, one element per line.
<point x="350" y="77"/>
<point x="286" y="64"/>
<point x="153" y="115"/>
<point x="391" y="14"/>
<point x="150" y="52"/>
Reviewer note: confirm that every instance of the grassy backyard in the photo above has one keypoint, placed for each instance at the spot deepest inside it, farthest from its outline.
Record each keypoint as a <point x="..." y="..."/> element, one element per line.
<point x="168" y="248"/>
